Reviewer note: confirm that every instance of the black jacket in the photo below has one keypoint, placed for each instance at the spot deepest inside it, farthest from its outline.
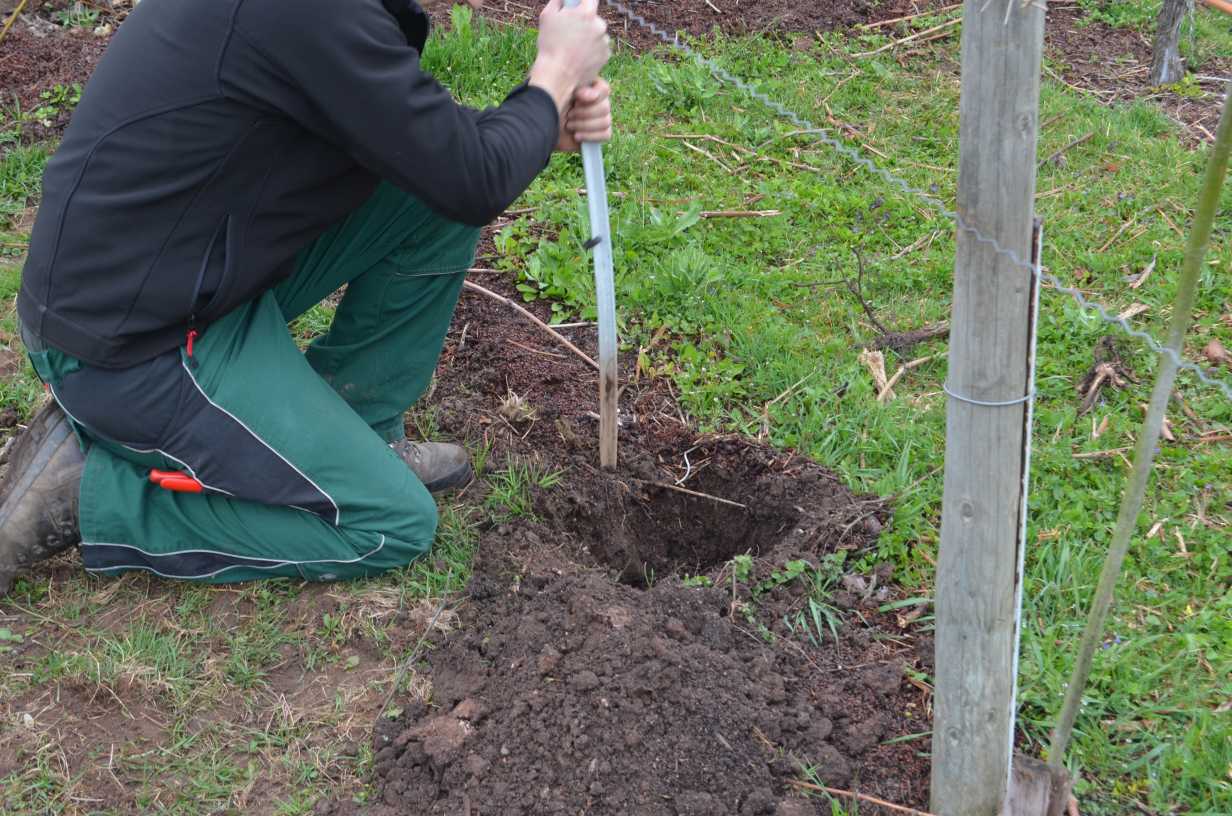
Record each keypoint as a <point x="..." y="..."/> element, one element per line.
<point x="216" y="138"/>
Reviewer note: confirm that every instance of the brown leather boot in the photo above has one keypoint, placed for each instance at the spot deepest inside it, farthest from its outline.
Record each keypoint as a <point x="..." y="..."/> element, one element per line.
<point x="439" y="465"/>
<point x="39" y="495"/>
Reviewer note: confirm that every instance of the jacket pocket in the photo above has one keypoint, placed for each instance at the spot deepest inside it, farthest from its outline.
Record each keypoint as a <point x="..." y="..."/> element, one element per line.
<point x="212" y="293"/>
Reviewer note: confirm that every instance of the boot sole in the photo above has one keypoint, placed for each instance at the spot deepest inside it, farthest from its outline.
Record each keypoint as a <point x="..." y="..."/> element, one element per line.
<point x="33" y="453"/>
<point x="458" y="479"/>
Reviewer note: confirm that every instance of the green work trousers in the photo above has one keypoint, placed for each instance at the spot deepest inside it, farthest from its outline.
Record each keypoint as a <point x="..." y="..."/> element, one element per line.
<point x="291" y="448"/>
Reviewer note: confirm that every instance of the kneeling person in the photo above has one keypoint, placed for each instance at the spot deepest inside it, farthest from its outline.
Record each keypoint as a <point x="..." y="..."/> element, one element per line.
<point x="230" y="166"/>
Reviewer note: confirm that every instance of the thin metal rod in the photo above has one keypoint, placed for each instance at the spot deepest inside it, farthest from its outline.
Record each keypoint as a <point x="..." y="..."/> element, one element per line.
<point x="1148" y="439"/>
<point x="1028" y="431"/>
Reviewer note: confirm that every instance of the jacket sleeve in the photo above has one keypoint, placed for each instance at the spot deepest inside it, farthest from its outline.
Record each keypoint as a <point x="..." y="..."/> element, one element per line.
<point x="346" y="72"/>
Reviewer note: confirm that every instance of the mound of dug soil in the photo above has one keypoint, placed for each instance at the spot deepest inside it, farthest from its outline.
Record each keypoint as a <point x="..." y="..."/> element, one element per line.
<point x="577" y="695"/>
<point x="586" y="677"/>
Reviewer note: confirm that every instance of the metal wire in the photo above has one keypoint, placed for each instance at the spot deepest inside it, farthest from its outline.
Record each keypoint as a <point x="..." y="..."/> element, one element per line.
<point x="823" y="136"/>
<point x="985" y="403"/>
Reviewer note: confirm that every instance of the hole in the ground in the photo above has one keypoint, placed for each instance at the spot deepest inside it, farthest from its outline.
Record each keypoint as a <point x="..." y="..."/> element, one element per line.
<point x="646" y="531"/>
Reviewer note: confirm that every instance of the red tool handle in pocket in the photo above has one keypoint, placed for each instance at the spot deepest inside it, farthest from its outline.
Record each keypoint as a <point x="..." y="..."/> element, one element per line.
<point x="175" y="480"/>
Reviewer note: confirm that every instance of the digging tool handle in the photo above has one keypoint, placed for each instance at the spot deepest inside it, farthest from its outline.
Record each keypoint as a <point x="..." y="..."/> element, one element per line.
<point x="605" y="294"/>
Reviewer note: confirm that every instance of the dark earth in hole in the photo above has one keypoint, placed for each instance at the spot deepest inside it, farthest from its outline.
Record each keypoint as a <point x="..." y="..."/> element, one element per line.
<point x="645" y="531"/>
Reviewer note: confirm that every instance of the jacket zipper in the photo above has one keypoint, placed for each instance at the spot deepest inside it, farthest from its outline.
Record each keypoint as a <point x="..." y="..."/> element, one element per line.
<point x="193" y="334"/>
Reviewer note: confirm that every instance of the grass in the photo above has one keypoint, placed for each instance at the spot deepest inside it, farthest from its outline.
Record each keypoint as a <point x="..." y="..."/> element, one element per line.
<point x="749" y="319"/>
<point x="509" y="490"/>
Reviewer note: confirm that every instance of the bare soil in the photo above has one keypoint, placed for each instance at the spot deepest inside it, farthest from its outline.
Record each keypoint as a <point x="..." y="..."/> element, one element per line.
<point x="573" y="694"/>
<point x="35" y="59"/>
<point x="587" y="676"/>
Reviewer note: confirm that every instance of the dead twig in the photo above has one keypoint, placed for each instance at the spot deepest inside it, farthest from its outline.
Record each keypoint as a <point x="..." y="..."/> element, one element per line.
<point x="911" y="38"/>
<point x="1077" y="88"/>
<point x="915" y="46"/>
<point x="709" y="155"/>
<point x="695" y="493"/>
<point x="474" y="287"/>
<point x="410" y="660"/>
<point x="879" y="24"/>
<point x="923" y="241"/>
<point x="791" y="389"/>
<point x="1189" y="412"/>
<point x="852" y="131"/>
<point x="1102" y="454"/>
<point x="1140" y="278"/>
<point x="1109" y="369"/>
<point x="738" y="213"/>
<point x="857" y="289"/>
<point x="1051" y="120"/>
<point x="537" y="351"/>
<point x="819" y="284"/>
<point x="1079" y="141"/>
<point x="903" y="369"/>
<point x="12" y="19"/>
<point x="901" y="341"/>
<point x="864" y="797"/>
<point x="1124" y="226"/>
<point x="710" y="137"/>
<point x="874" y="361"/>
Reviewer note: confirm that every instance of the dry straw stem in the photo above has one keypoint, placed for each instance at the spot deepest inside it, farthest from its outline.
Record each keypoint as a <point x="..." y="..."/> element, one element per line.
<point x="911" y="38"/>
<point x="874" y="361"/>
<point x="1079" y="141"/>
<point x="892" y="21"/>
<point x="863" y="797"/>
<point x="888" y="391"/>
<point x="474" y="287"/>
<point x="12" y="19"/>
<point x="686" y="491"/>
<point x="709" y="155"/>
<point x="1148" y="439"/>
<point x="410" y="660"/>
<point x="739" y="213"/>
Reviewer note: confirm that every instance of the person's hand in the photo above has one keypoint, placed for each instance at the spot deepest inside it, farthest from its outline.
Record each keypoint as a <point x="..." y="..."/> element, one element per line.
<point x="589" y="119"/>
<point x="573" y="48"/>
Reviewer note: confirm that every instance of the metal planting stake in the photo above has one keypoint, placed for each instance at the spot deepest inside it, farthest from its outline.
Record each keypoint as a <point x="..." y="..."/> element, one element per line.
<point x="605" y="293"/>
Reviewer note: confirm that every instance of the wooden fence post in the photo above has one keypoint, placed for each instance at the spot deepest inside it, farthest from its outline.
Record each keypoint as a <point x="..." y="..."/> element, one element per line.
<point x="978" y="570"/>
